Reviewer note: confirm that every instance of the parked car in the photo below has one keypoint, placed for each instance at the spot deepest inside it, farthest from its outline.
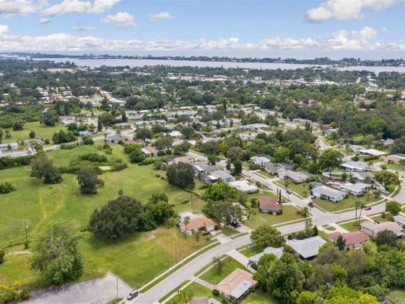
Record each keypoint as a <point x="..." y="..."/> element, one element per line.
<point x="368" y="208"/>
<point x="288" y="191"/>
<point x="235" y="224"/>
<point x="311" y="204"/>
<point x="133" y="294"/>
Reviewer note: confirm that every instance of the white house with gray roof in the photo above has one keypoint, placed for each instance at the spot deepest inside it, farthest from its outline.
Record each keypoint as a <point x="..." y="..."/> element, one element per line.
<point x="307" y="248"/>
<point x="328" y="193"/>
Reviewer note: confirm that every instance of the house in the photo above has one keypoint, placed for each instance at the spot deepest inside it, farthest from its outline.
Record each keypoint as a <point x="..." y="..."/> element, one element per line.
<point x="353" y="240"/>
<point x="278" y="252"/>
<point x="400" y="220"/>
<point x="116" y="138"/>
<point x="123" y="125"/>
<point x="394" y="158"/>
<point x="223" y="176"/>
<point x="190" y="223"/>
<point x="260" y="160"/>
<point x="175" y="134"/>
<point x="295" y="177"/>
<point x="356" y="189"/>
<point x="327" y="193"/>
<point x="307" y="248"/>
<point x="203" y="300"/>
<point x="371" y="152"/>
<point x="355" y="166"/>
<point x="201" y="168"/>
<point x="236" y="285"/>
<point x="387" y="142"/>
<point x="366" y="177"/>
<point x="269" y="205"/>
<point x="372" y="229"/>
<point x="244" y="186"/>
<point x="65" y="120"/>
<point x="149" y="151"/>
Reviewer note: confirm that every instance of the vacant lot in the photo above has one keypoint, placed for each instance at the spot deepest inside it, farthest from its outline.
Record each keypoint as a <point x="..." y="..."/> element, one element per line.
<point x="43" y="204"/>
<point x="259" y="297"/>
<point x="41" y="131"/>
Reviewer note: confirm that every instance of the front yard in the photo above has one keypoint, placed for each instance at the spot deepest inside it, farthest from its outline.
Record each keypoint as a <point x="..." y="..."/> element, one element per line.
<point x="289" y="214"/>
<point x="346" y="203"/>
<point x="214" y="277"/>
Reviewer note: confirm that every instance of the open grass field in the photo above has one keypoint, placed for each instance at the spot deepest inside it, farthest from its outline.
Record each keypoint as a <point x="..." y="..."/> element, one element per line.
<point x="41" y="131"/>
<point x="345" y="204"/>
<point x="213" y="277"/>
<point x="43" y="204"/>
<point x="289" y="214"/>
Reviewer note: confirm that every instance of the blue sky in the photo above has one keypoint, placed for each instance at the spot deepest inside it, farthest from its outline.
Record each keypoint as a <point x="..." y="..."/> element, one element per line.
<point x="227" y="27"/>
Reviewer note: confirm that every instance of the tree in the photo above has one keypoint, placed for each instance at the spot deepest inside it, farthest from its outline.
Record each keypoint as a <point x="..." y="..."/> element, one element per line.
<point x="143" y="133"/>
<point x="237" y="168"/>
<point x="42" y="168"/>
<point x="307" y="297"/>
<point x="387" y="178"/>
<point x="6" y="188"/>
<point x="220" y="191"/>
<point x="218" y="264"/>
<point x="55" y="255"/>
<point x="286" y="280"/>
<point x="393" y="207"/>
<point x="182" y="148"/>
<point x="340" y="242"/>
<point x="164" y="142"/>
<point x="213" y="159"/>
<point x="88" y="181"/>
<point x="181" y="175"/>
<point x="32" y="134"/>
<point x="223" y="212"/>
<point x="330" y="159"/>
<point x="136" y="156"/>
<point x="267" y="236"/>
<point x="2" y="254"/>
<point x="386" y="237"/>
<point x="119" y="217"/>
<point x="63" y="137"/>
<point x="346" y="295"/>
<point x="187" y="132"/>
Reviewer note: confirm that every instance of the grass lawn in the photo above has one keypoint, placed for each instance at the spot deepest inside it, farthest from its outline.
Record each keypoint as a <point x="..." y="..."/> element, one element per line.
<point x="329" y="228"/>
<point x="42" y="205"/>
<point x="397" y="296"/>
<point x="41" y="131"/>
<point x="259" y="297"/>
<point x="251" y="251"/>
<point x="351" y="226"/>
<point x="289" y="214"/>
<point x="228" y="231"/>
<point x="301" y="189"/>
<point x="345" y="204"/>
<point x="196" y="290"/>
<point x="213" y="277"/>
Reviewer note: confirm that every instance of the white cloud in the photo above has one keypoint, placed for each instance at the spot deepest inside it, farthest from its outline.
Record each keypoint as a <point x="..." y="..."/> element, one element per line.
<point x="84" y="28"/>
<point x="19" y="7"/>
<point x="161" y="16"/>
<point x="45" y="20"/>
<point x="3" y="29"/>
<point x="363" y="39"/>
<point x="120" y="20"/>
<point x="80" y="6"/>
<point x="346" y="9"/>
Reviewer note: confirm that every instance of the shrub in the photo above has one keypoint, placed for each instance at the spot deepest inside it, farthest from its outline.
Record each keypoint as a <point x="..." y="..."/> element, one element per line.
<point x="6" y="188"/>
<point x="2" y="254"/>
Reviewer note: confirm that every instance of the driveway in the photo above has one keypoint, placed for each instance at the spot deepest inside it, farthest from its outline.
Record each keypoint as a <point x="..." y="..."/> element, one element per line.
<point x="98" y="291"/>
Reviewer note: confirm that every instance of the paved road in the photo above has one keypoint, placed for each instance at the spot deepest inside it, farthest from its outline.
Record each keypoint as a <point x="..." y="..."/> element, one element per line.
<point x="98" y="291"/>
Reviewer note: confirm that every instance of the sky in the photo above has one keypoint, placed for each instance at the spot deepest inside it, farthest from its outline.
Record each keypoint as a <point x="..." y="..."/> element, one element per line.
<point x="241" y="28"/>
